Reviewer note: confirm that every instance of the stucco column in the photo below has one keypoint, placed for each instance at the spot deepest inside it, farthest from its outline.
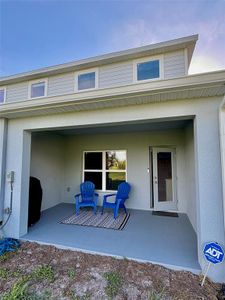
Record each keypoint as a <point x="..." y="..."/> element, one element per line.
<point x="209" y="202"/>
<point x="18" y="160"/>
<point x="3" y="140"/>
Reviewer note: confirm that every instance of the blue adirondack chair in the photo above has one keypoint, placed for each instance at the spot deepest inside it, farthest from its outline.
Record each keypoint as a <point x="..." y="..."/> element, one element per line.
<point x="120" y="197"/>
<point x="87" y="196"/>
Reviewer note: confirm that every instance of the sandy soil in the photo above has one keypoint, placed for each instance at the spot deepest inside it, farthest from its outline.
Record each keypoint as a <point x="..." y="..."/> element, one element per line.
<point x="77" y="275"/>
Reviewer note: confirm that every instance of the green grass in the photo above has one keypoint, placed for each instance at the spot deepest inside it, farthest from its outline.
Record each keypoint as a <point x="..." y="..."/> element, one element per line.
<point x="153" y="295"/>
<point x="71" y="273"/>
<point x="5" y="256"/>
<point x="18" y="291"/>
<point x="120" y="176"/>
<point x="114" y="283"/>
<point x="73" y="296"/>
<point x="5" y="273"/>
<point x="44" y="272"/>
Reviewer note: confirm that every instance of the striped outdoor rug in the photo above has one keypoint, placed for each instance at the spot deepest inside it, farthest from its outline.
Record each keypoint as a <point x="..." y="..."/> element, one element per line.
<point x="88" y="218"/>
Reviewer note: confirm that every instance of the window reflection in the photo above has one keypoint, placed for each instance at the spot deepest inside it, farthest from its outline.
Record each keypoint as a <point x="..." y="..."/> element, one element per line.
<point x="116" y="160"/>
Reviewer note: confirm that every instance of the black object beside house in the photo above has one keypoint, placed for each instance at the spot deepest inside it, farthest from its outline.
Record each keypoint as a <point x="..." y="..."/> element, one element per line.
<point x="35" y="200"/>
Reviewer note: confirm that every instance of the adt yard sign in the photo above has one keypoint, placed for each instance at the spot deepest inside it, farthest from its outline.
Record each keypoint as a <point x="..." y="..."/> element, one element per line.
<point x="213" y="253"/>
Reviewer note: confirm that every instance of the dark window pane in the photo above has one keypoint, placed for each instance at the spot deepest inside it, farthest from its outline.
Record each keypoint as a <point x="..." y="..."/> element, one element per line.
<point x="38" y="90"/>
<point x="148" y="70"/>
<point x="116" y="160"/>
<point x="2" y="95"/>
<point x="93" y="161"/>
<point x="165" y="188"/>
<point x="86" y="81"/>
<point x="113" y="179"/>
<point x="95" y="177"/>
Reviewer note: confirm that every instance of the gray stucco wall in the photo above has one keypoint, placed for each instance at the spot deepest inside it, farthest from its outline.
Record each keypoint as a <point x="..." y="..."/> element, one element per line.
<point x="3" y="141"/>
<point x="47" y="164"/>
<point x="190" y="189"/>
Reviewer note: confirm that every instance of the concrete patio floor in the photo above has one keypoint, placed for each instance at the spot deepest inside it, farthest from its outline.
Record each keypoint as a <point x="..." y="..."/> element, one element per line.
<point x="167" y="241"/>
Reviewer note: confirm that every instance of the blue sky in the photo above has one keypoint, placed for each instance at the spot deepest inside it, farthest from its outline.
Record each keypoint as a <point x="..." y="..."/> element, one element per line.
<point x="40" y="33"/>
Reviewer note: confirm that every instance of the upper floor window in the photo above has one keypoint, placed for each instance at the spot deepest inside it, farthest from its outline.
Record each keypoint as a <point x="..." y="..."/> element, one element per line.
<point x="38" y="89"/>
<point x="148" y="69"/>
<point x="86" y="81"/>
<point x="2" y="95"/>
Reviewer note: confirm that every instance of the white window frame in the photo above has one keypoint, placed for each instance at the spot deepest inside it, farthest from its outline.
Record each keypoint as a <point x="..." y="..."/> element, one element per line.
<point x="4" y="89"/>
<point x="160" y="58"/>
<point x="45" y="80"/>
<point x="103" y="170"/>
<point x="87" y="71"/>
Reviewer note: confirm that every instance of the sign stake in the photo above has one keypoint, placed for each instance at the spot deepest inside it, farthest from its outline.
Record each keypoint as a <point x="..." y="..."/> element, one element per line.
<point x="206" y="272"/>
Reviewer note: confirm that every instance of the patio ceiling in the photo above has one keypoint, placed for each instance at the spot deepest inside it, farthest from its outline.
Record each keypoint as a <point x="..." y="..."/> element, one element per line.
<point x="153" y="125"/>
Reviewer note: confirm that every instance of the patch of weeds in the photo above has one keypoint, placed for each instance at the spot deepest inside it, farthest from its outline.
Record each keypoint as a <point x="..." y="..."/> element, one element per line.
<point x="153" y="295"/>
<point x="5" y="256"/>
<point x="114" y="283"/>
<point x="18" y="291"/>
<point x="5" y="273"/>
<point x="16" y="273"/>
<point x="73" y="296"/>
<point x="44" y="272"/>
<point x="71" y="273"/>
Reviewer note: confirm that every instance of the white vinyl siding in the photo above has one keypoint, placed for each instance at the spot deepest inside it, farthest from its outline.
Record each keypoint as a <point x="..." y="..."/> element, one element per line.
<point x="17" y="92"/>
<point x="116" y="75"/>
<point x="174" y="64"/>
<point x="62" y="84"/>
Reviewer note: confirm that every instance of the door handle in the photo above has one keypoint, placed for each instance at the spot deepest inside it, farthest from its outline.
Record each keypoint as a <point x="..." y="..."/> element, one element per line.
<point x="156" y="180"/>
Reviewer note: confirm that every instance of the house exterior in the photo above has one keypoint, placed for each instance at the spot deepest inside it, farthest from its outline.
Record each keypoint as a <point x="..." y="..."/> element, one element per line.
<point x="164" y="130"/>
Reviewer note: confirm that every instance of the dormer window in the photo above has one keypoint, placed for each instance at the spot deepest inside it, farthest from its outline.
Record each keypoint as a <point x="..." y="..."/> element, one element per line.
<point x="86" y="80"/>
<point x="2" y="95"/>
<point x="148" y="69"/>
<point x="38" y="89"/>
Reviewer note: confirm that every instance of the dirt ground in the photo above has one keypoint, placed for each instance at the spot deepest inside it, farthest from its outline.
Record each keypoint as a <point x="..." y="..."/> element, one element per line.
<point x="45" y="272"/>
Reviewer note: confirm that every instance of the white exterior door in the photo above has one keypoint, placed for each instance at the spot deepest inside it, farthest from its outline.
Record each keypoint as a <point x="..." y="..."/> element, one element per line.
<point x="164" y="179"/>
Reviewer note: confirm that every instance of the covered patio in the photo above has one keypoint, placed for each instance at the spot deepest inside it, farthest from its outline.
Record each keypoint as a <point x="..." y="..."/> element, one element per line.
<point x="168" y="241"/>
<point x="57" y="159"/>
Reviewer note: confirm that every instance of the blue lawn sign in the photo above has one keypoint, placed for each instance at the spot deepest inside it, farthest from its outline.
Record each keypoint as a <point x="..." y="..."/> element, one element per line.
<point x="213" y="253"/>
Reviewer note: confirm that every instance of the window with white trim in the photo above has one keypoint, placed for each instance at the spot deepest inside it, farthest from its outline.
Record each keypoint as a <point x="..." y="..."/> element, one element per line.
<point x="106" y="169"/>
<point x="38" y="89"/>
<point x="2" y="95"/>
<point x="86" y="81"/>
<point x="148" y="70"/>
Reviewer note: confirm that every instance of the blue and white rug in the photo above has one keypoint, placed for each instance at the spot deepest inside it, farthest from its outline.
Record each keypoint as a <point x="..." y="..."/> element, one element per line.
<point x="88" y="218"/>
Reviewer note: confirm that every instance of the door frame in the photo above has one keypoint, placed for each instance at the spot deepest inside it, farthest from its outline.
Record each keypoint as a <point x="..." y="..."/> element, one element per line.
<point x="171" y="205"/>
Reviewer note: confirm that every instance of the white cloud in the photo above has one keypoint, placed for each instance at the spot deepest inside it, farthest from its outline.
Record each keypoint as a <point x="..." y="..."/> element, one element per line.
<point x="204" y="63"/>
<point x="129" y="35"/>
